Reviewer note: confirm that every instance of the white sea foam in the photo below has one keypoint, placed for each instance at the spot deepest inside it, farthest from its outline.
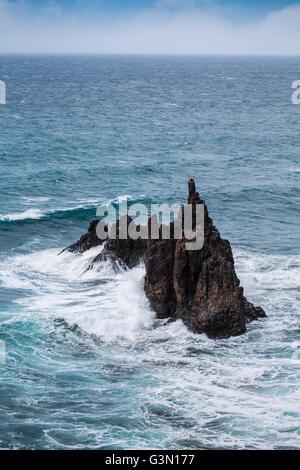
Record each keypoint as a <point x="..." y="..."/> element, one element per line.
<point x="260" y="272"/>
<point x="101" y="301"/>
<point x="111" y="304"/>
<point x="35" y="213"/>
<point x="221" y="389"/>
<point x="37" y="199"/>
<point x="29" y="214"/>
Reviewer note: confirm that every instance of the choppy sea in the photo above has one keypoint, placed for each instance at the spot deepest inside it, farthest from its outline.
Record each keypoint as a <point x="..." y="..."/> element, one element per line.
<point x="86" y="364"/>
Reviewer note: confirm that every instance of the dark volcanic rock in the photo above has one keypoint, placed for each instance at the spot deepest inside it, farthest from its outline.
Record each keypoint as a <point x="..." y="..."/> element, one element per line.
<point x="200" y="287"/>
<point x="88" y="240"/>
<point x="128" y="251"/>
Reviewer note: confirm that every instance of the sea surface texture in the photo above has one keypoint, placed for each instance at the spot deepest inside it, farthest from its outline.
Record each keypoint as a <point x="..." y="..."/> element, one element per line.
<point x="86" y="363"/>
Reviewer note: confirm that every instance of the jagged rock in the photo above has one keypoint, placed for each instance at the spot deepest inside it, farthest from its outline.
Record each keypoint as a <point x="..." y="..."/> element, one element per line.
<point x="128" y="251"/>
<point x="88" y="240"/>
<point x="200" y="287"/>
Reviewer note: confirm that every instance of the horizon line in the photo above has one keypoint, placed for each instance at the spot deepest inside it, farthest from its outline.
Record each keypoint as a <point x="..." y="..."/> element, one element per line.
<point x="142" y="54"/>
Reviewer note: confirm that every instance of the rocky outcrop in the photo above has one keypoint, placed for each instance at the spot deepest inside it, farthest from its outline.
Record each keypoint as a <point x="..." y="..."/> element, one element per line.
<point x="88" y="240"/>
<point x="200" y="287"/>
<point x="130" y="252"/>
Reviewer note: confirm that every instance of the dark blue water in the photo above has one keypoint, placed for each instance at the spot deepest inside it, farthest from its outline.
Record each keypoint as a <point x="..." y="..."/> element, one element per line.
<point x="87" y="364"/>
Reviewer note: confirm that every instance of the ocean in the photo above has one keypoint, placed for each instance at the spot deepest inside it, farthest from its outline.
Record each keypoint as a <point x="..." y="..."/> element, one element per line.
<point x="87" y="365"/>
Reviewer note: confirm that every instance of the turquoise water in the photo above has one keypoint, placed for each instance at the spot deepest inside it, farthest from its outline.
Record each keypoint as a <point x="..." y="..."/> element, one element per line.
<point x="87" y="364"/>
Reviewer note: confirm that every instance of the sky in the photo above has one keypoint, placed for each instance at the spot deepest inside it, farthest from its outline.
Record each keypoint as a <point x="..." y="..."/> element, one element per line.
<point x="265" y="27"/>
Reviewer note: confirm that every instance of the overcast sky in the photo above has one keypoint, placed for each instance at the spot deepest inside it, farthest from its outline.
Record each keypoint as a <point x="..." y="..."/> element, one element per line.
<point x="150" y="26"/>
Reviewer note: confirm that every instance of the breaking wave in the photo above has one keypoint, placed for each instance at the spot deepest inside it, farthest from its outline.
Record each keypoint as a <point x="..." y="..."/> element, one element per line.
<point x="187" y="390"/>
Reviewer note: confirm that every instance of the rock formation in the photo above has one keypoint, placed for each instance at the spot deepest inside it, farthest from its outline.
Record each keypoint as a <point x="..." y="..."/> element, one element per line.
<point x="200" y="287"/>
<point x="128" y="251"/>
<point x="88" y="240"/>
